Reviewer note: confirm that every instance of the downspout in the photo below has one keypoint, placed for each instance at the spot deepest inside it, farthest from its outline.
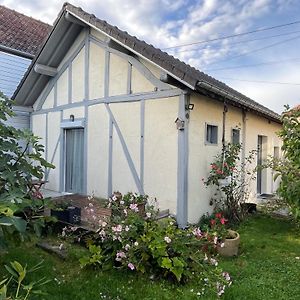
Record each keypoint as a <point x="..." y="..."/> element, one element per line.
<point x="225" y="110"/>
<point x="182" y="162"/>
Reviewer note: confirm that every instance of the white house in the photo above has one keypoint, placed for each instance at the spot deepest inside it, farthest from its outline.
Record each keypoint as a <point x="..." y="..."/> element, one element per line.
<point x="105" y="105"/>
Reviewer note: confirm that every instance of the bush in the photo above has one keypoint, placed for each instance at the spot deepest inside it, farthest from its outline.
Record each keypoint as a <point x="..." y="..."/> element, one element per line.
<point x="155" y="247"/>
<point x="289" y="167"/>
<point x="17" y="167"/>
<point x="237" y="175"/>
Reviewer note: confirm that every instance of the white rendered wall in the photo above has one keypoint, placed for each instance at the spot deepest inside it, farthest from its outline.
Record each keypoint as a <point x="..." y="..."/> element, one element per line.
<point x="201" y="154"/>
<point x="161" y="148"/>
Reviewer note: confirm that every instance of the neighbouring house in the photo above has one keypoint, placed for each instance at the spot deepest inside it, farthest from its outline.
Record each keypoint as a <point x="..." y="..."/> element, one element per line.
<point x="20" y="38"/>
<point x="115" y="113"/>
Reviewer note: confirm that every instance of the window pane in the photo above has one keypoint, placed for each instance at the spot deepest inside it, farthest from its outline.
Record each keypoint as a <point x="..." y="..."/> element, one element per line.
<point x="235" y="136"/>
<point x="212" y="134"/>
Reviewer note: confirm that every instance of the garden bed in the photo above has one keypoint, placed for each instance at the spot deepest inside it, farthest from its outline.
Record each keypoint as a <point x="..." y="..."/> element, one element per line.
<point x="267" y="268"/>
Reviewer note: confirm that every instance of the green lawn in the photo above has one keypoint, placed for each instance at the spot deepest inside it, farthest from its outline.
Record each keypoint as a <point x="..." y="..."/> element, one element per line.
<point x="267" y="268"/>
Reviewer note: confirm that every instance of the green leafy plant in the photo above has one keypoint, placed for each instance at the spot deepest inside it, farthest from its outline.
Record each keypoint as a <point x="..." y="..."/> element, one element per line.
<point x="16" y="287"/>
<point x="288" y="168"/>
<point x="157" y="247"/>
<point x="18" y="165"/>
<point x="238" y="174"/>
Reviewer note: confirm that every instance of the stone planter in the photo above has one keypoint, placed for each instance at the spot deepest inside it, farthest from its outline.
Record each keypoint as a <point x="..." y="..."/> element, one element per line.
<point x="231" y="245"/>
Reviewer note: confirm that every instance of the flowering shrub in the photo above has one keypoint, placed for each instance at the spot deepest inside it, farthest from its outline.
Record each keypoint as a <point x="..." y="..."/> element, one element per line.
<point x="157" y="247"/>
<point x="120" y="205"/>
<point x="235" y="190"/>
<point x="218" y="227"/>
<point x="224" y="164"/>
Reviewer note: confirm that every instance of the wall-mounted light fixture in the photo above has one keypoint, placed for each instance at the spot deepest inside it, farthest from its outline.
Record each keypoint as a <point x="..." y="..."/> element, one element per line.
<point x="72" y="118"/>
<point x="190" y="106"/>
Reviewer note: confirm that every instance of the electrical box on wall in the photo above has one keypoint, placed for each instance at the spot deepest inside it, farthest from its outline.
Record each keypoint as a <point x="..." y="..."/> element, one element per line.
<point x="180" y="124"/>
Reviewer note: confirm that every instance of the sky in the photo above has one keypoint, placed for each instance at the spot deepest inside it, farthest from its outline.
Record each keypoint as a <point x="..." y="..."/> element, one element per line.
<point x="264" y="65"/>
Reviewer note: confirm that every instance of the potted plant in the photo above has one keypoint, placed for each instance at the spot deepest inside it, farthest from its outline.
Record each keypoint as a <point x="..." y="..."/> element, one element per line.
<point x="230" y="244"/>
<point x="66" y="212"/>
<point x="226" y="240"/>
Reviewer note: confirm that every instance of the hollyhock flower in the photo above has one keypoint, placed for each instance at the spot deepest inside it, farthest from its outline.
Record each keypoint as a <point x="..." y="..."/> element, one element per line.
<point x="131" y="266"/>
<point x="167" y="240"/>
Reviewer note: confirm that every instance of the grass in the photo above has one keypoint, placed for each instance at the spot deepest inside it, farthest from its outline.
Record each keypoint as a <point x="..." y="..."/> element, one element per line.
<point x="266" y="268"/>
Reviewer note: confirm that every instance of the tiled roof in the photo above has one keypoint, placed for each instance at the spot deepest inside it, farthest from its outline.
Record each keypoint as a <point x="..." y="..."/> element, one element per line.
<point x="191" y="77"/>
<point x="174" y="66"/>
<point x="21" y="32"/>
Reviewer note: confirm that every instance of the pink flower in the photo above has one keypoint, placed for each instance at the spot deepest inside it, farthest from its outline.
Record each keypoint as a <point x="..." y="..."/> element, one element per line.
<point x="131" y="266"/>
<point x="120" y="255"/>
<point x="197" y="232"/>
<point x="218" y="215"/>
<point x="223" y="221"/>
<point x="134" y="207"/>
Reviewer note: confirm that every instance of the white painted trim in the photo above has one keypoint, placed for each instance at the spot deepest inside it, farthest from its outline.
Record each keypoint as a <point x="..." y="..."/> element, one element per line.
<point x="135" y="63"/>
<point x="116" y="99"/>
<point x="70" y="124"/>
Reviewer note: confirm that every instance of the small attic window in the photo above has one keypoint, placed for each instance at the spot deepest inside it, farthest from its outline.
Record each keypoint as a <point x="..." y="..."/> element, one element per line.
<point x="211" y="134"/>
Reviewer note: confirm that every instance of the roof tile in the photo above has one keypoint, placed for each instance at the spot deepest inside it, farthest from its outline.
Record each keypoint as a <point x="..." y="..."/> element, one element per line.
<point x="21" y="32"/>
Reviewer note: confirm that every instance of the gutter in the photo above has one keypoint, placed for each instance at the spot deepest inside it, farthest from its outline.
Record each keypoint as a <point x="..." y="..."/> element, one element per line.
<point x="16" y="52"/>
<point x="236" y="99"/>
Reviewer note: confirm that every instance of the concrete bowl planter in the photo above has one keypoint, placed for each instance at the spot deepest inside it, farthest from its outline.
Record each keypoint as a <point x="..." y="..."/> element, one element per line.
<point x="231" y="244"/>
